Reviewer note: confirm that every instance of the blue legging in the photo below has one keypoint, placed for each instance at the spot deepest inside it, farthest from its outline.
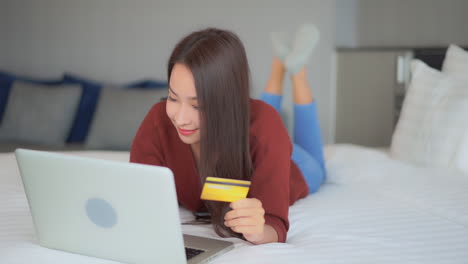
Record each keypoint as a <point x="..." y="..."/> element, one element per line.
<point x="308" y="146"/>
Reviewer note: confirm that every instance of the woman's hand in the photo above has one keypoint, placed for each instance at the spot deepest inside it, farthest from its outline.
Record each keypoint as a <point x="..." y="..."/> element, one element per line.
<point x="247" y="217"/>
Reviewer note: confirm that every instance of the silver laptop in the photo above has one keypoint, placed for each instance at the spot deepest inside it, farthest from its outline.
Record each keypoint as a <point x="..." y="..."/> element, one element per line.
<point x="114" y="210"/>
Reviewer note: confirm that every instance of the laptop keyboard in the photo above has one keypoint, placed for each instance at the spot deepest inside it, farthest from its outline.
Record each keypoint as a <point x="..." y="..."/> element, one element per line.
<point x="192" y="252"/>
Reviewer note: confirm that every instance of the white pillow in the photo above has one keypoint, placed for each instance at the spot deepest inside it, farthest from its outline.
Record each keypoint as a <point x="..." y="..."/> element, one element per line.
<point x="456" y="62"/>
<point x="434" y="118"/>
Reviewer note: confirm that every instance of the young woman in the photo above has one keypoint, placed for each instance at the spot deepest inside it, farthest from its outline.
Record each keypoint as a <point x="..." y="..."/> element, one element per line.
<point x="209" y="126"/>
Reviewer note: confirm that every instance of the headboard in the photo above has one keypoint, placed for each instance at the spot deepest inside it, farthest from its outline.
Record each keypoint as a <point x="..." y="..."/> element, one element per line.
<point x="371" y="86"/>
<point x="434" y="56"/>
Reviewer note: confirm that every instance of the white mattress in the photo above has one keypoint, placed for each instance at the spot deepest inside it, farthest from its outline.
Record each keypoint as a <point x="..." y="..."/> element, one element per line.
<point x="371" y="210"/>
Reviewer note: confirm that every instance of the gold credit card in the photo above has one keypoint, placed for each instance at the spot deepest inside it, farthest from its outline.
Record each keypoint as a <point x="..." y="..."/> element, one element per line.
<point x="224" y="190"/>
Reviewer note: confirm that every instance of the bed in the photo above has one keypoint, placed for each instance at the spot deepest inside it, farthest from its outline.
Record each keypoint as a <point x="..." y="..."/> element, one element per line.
<point x="372" y="209"/>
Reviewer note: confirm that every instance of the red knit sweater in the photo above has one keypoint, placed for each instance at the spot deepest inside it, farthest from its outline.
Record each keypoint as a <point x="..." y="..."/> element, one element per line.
<point x="276" y="181"/>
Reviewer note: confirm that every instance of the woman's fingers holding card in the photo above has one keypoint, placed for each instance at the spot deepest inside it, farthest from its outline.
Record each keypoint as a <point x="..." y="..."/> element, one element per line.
<point x="246" y="203"/>
<point x="247" y="217"/>
<point x="244" y="213"/>
<point x="244" y="221"/>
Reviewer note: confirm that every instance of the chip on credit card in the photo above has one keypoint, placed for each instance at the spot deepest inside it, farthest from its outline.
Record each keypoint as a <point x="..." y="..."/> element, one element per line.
<point x="224" y="190"/>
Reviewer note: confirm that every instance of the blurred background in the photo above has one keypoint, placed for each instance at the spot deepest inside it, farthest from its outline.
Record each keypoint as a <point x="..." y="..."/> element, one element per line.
<point x="117" y="41"/>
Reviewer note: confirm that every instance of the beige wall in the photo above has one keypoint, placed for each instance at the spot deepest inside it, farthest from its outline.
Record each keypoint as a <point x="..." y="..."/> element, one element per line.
<point x="401" y="22"/>
<point x="2" y="30"/>
<point x="119" y="40"/>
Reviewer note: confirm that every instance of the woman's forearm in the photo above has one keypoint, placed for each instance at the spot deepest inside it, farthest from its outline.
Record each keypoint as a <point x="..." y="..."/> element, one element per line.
<point x="269" y="236"/>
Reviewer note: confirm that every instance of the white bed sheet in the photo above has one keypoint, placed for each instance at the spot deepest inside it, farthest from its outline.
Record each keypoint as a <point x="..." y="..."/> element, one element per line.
<point x="371" y="210"/>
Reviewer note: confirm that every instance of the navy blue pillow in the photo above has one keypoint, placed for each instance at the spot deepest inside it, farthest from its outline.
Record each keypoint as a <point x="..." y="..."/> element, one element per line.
<point x="6" y="81"/>
<point x="147" y="84"/>
<point x="86" y="107"/>
<point x="5" y="84"/>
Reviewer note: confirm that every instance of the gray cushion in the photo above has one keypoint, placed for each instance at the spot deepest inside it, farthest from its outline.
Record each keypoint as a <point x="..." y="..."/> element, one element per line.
<point x="118" y="116"/>
<point x="39" y="114"/>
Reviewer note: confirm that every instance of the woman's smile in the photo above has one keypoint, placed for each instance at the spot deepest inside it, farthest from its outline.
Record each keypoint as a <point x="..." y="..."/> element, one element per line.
<point x="186" y="132"/>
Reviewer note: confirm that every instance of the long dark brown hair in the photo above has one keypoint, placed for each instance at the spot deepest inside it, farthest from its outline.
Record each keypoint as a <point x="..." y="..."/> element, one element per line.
<point x="220" y="69"/>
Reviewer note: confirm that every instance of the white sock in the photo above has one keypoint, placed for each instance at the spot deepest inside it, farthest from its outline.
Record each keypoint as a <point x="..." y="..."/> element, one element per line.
<point x="306" y="39"/>
<point x="281" y="45"/>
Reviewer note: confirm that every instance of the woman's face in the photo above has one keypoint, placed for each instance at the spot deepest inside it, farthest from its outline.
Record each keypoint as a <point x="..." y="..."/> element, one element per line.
<point x="182" y="104"/>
